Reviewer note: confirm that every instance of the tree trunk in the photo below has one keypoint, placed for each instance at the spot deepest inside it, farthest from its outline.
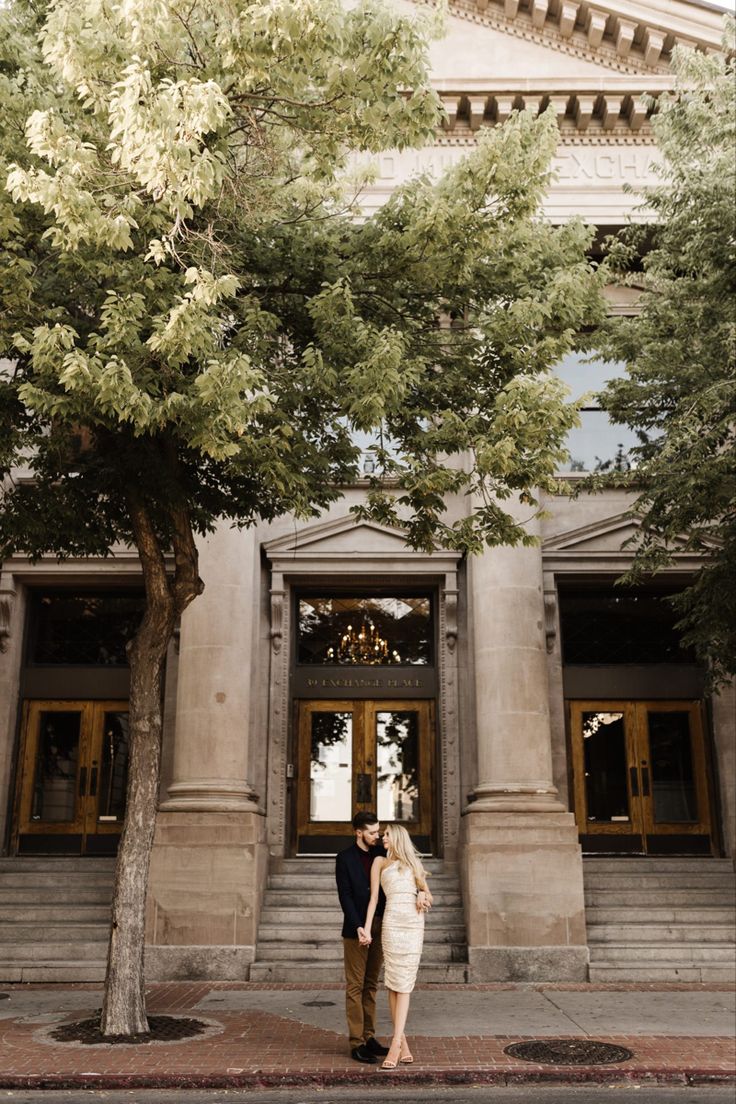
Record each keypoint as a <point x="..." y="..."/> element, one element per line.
<point x="124" y="1003"/>
<point x="124" y="1006"/>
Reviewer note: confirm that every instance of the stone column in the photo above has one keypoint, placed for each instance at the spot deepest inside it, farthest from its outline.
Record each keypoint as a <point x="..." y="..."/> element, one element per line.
<point x="522" y="866"/>
<point x="209" y="860"/>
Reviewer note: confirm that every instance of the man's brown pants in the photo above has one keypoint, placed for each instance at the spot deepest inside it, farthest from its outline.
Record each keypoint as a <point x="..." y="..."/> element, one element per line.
<point x="362" y="966"/>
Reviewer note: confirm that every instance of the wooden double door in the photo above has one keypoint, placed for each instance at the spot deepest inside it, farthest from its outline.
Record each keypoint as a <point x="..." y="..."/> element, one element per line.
<point x="73" y="777"/>
<point x="640" y="777"/>
<point x="375" y="756"/>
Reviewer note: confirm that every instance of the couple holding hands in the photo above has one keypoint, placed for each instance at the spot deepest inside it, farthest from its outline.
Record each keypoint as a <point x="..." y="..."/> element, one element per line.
<point x="384" y="895"/>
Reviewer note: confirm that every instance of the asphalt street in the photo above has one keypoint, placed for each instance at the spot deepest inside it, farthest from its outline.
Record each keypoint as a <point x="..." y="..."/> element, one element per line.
<point x="480" y="1094"/>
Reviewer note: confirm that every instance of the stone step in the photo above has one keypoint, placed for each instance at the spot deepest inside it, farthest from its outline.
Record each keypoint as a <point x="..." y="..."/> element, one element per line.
<point x="19" y="932"/>
<point x="659" y="914"/>
<point x="48" y="973"/>
<point x="51" y="879"/>
<point x="307" y="936"/>
<point x="48" y="951"/>
<point x="308" y="899"/>
<point x="331" y="951"/>
<point x="325" y="883"/>
<point x="454" y="973"/>
<point x="49" y="914"/>
<point x="694" y="879"/>
<point x="56" y="865"/>
<point x="647" y="932"/>
<point x="333" y="917"/>
<point x="685" y="954"/>
<point x="61" y="895"/>
<point x="645" y="863"/>
<point x="674" y="971"/>
<point x="326" y="864"/>
<point x="664" y="898"/>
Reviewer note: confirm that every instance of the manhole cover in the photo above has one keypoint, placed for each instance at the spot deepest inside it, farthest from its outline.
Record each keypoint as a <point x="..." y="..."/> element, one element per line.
<point x="163" y="1029"/>
<point x="318" y="1004"/>
<point x="568" y="1052"/>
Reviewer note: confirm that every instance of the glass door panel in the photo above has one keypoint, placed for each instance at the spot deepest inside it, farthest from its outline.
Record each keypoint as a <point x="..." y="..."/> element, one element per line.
<point x="331" y="766"/>
<point x="73" y="777"/>
<point x="640" y="777"/>
<point x="672" y="762"/>
<point x="362" y="755"/>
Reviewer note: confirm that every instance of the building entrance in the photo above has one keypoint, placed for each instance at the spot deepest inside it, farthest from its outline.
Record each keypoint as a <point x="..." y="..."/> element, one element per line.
<point x="640" y="778"/>
<point x="72" y="780"/>
<point x="372" y="755"/>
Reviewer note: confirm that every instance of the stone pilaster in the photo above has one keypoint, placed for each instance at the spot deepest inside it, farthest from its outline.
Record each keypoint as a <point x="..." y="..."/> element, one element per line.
<point x="209" y="860"/>
<point x="522" y="865"/>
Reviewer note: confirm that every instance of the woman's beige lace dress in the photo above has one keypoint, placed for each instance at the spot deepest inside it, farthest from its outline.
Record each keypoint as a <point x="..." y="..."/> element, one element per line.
<point x="402" y="929"/>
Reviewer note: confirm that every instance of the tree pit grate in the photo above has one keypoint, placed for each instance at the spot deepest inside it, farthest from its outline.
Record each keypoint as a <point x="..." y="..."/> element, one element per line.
<point x="162" y="1029"/>
<point x="568" y="1052"/>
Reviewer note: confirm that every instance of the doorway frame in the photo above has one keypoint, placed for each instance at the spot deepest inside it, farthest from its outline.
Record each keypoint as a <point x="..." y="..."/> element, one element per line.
<point x="341" y="553"/>
<point x="638" y="772"/>
<point x="86" y="823"/>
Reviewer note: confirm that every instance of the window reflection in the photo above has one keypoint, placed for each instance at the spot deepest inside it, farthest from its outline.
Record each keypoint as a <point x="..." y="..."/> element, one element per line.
<point x="673" y="783"/>
<point x="598" y="444"/>
<point x="397" y="757"/>
<point x="365" y="631"/>
<point x="90" y="629"/>
<point x="331" y="767"/>
<point x="55" y="773"/>
<point x="604" y="744"/>
<point x="114" y="772"/>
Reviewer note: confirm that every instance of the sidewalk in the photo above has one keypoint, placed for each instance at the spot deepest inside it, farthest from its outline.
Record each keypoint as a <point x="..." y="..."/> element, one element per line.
<point x="276" y="1035"/>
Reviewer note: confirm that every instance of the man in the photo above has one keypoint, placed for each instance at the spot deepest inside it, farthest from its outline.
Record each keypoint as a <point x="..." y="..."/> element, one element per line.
<point x="362" y="963"/>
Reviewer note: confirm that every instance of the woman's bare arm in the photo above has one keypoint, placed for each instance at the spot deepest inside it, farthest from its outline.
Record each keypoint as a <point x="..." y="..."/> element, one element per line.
<point x="364" y="933"/>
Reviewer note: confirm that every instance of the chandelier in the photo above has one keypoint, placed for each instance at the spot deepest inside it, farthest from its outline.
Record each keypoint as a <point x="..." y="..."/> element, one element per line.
<point x="361" y="646"/>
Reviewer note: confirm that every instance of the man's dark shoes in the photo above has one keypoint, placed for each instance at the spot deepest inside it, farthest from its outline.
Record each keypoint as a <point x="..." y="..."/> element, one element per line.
<point x="362" y="1054"/>
<point x="373" y="1046"/>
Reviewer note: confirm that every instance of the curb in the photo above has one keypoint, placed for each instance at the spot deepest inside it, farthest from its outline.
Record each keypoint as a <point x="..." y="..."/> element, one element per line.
<point x="331" y="1079"/>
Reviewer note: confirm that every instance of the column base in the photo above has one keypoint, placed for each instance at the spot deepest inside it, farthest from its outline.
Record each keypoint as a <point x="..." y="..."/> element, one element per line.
<point x="522" y="877"/>
<point x="210" y="796"/>
<point x="528" y="964"/>
<point x="208" y="872"/>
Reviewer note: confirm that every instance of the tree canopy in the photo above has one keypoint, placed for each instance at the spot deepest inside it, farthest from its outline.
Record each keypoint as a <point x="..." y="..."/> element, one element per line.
<point x="198" y="319"/>
<point x="680" y="350"/>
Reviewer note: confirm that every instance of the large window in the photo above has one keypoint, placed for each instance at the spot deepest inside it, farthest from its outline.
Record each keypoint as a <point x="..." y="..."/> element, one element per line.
<point x="365" y="630"/>
<point x="83" y="628"/>
<point x="611" y="625"/>
<point x="598" y="444"/>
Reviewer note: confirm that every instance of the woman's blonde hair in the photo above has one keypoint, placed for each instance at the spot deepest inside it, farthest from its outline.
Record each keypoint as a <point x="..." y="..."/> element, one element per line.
<point x="401" y="846"/>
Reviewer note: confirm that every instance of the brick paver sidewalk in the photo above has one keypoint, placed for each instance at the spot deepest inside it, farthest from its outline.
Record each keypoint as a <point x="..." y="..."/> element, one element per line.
<point x="254" y="1047"/>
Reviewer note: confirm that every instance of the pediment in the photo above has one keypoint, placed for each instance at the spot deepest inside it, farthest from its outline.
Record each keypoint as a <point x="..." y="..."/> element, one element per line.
<point x="610" y="535"/>
<point x="345" y="535"/>
<point x="346" y="546"/>
<point x="489" y="54"/>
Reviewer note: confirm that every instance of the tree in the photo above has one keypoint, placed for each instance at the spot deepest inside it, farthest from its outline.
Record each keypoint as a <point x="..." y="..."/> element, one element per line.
<point x="680" y="351"/>
<point x="199" y="324"/>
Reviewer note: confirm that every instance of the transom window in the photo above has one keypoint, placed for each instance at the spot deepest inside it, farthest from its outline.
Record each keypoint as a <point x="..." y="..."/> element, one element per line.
<point x="365" y="630"/>
<point x="597" y="444"/>
<point x="86" y="628"/>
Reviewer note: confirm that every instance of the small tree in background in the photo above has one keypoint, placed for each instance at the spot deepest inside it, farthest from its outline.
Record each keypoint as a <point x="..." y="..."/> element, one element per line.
<point x="680" y="391"/>
<point x="198" y="324"/>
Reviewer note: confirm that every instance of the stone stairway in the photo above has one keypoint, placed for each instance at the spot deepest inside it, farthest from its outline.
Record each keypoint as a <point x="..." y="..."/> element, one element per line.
<point x="661" y="919"/>
<point x="54" y="918"/>
<point x="299" y="934"/>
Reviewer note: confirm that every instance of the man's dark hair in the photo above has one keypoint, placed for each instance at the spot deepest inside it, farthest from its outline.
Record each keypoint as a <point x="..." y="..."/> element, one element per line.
<point x="364" y="820"/>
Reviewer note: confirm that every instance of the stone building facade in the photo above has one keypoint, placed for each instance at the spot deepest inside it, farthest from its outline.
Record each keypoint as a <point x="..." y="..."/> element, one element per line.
<point x="524" y="717"/>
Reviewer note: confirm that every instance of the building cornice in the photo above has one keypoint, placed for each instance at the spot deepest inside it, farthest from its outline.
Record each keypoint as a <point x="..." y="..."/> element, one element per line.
<point x="624" y="35"/>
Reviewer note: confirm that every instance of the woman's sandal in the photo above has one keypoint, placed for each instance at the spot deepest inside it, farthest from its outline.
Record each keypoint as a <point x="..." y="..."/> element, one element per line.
<point x="406" y="1055"/>
<point x="390" y="1062"/>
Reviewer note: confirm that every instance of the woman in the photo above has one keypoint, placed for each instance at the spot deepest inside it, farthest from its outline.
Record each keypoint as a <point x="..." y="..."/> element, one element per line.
<point x="404" y="881"/>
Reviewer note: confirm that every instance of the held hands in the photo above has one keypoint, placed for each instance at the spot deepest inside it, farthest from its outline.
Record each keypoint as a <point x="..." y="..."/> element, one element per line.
<point x="424" y="900"/>
<point x="364" y="937"/>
